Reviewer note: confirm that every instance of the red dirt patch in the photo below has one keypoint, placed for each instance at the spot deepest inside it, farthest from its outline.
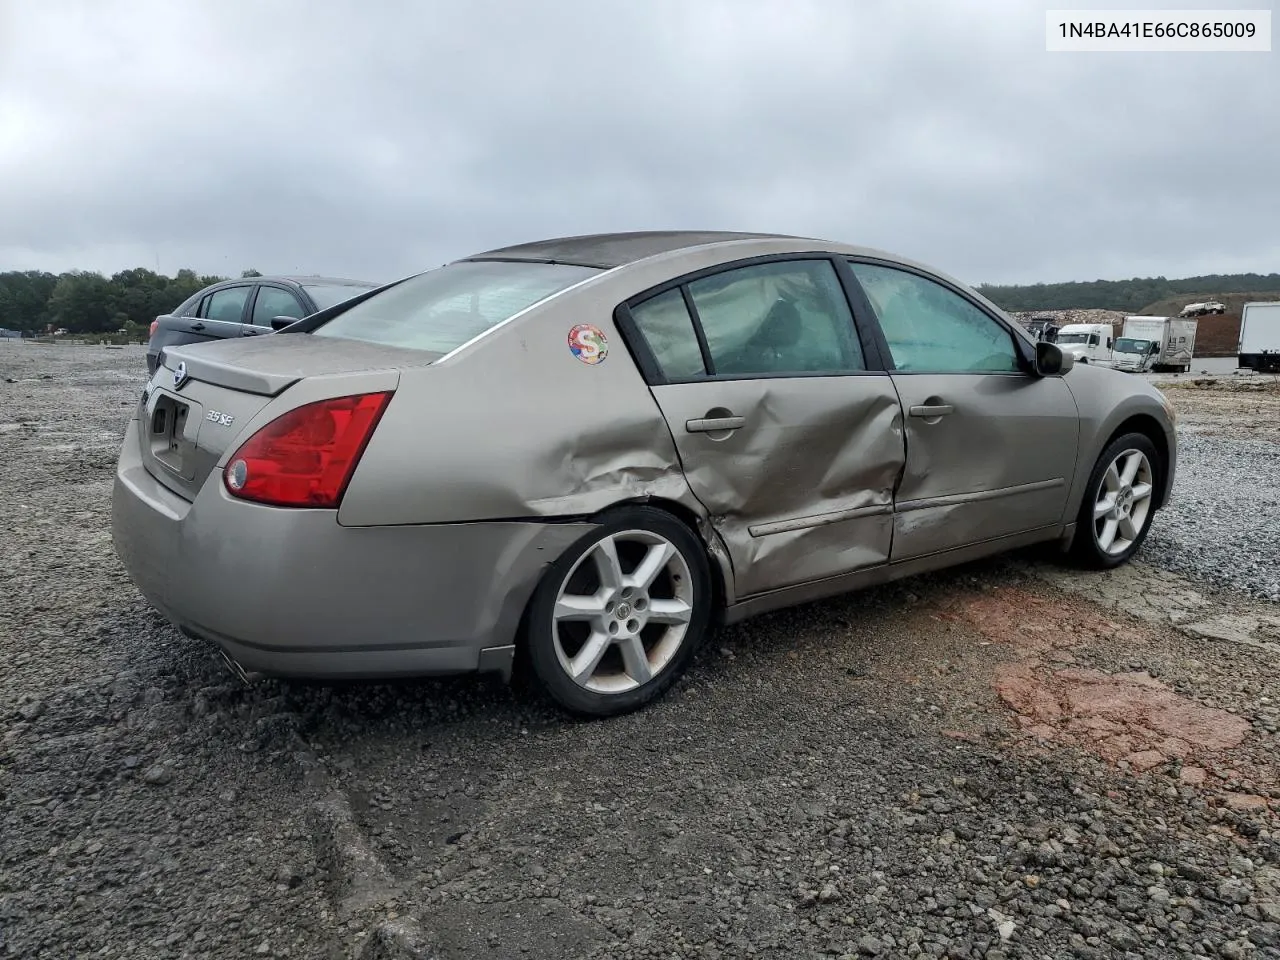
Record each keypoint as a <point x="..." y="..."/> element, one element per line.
<point x="1129" y="718"/>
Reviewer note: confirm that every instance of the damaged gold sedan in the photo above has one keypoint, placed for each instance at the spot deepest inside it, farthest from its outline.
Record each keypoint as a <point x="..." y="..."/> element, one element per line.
<point x="591" y="450"/>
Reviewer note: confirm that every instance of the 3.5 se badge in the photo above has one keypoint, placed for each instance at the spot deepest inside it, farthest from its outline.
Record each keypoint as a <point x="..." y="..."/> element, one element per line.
<point x="588" y="343"/>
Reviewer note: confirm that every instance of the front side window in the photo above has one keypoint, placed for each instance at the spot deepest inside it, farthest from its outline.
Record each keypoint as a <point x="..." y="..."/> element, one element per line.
<point x="931" y="328"/>
<point x="789" y="317"/>
<point x="227" y="305"/>
<point x="441" y="310"/>
<point x="275" y="302"/>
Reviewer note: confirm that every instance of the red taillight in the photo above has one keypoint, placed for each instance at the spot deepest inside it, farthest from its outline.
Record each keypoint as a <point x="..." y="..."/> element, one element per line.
<point x="305" y="458"/>
<point x="154" y="323"/>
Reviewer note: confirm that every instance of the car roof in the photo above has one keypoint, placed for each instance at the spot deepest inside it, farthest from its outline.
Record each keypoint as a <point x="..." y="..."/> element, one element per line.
<point x="338" y="281"/>
<point x="609" y="250"/>
<point x="289" y="278"/>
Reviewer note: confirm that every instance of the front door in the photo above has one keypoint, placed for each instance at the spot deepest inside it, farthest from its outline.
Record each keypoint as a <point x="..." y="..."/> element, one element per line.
<point x="790" y="443"/>
<point x="270" y="302"/>
<point x="991" y="448"/>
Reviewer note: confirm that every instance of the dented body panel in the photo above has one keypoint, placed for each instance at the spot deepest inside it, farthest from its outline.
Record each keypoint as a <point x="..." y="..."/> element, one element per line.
<point x="804" y="488"/>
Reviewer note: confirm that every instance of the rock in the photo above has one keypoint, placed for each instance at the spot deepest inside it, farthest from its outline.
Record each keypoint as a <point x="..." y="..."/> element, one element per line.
<point x="1269" y="910"/>
<point x="1237" y="949"/>
<point x="157" y="775"/>
<point x="869" y="946"/>
<point x="1246" y="802"/>
<point x="1192" y="776"/>
<point x="1145" y="760"/>
<point x="1124" y="938"/>
<point x="30" y="711"/>
<point x="1234" y="891"/>
<point x="830" y="893"/>
<point x="1266" y="935"/>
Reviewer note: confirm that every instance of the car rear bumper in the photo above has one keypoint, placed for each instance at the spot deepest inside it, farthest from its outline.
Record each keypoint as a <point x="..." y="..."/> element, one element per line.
<point x="293" y="593"/>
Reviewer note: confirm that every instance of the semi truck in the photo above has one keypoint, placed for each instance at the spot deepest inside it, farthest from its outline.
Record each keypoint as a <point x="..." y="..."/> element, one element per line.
<point x="1155" y="344"/>
<point x="1259" y="348"/>
<point x="1087" y="342"/>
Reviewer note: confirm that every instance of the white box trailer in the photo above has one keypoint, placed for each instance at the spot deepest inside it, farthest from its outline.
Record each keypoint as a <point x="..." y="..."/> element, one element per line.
<point x="1155" y="343"/>
<point x="1259" y="348"/>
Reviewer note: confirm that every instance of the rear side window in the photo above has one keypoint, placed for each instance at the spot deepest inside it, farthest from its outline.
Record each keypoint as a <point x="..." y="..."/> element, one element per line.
<point x="228" y="304"/>
<point x="443" y="309"/>
<point x="789" y="317"/>
<point x="667" y="328"/>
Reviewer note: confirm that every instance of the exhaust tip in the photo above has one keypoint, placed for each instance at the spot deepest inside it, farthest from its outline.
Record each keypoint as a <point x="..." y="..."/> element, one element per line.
<point x="247" y="677"/>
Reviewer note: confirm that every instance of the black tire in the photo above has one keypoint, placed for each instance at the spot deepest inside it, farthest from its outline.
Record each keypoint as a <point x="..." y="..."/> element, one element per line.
<point x="1085" y="548"/>
<point x="544" y="638"/>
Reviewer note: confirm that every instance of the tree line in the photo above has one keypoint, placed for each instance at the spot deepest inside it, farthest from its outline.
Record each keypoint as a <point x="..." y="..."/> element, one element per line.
<point x="1127" y="295"/>
<point x="81" y="301"/>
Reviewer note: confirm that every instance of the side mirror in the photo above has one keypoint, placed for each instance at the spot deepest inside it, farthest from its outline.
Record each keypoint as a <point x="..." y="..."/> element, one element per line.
<point x="279" y="323"/>
<point x="1051" y="361"/>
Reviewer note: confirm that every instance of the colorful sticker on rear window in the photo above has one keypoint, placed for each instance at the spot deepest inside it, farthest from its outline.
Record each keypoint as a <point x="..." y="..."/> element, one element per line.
<point x="588" y="343"/>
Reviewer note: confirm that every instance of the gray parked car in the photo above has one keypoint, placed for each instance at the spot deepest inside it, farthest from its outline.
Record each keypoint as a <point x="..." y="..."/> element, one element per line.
<point x="588" y="451"/>
<point x="246" y="308"/>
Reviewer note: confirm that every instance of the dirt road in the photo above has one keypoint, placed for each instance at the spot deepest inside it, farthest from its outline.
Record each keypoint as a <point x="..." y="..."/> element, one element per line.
<point x="1007" y="760"/>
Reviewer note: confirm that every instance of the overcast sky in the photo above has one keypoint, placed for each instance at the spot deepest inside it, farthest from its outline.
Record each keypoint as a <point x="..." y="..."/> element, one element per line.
<point x="320" y="137"/>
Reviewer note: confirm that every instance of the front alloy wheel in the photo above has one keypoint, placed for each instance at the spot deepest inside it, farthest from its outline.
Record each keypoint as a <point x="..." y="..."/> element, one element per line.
<point x="1123" y="502"/>
<point x="617" y="619"/>
<point x="1119" y="503"/>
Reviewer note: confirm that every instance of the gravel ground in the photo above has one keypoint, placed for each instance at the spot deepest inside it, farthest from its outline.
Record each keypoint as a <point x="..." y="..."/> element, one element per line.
<point x="1224" y="520"/>
<point x="909" y="771"/>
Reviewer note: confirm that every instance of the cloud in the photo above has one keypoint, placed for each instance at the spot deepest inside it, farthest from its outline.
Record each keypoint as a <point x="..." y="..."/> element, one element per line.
<point x="375" y="141"/>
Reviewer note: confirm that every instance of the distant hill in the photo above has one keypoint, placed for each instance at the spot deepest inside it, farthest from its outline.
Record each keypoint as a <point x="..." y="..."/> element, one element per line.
<point x="1216" y="336"/>
<point x="1132" y="296"/>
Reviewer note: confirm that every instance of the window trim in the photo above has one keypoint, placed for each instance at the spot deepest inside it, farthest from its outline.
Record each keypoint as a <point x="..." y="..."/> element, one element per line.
<point x="652" y="372"/>
<point x="1024" y="352"/>
<point x="253" y="306"/>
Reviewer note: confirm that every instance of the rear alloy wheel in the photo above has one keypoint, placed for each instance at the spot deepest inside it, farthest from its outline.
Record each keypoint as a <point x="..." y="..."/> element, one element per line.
<point x="618" y="617"/>
<point x="1119" y="503"/>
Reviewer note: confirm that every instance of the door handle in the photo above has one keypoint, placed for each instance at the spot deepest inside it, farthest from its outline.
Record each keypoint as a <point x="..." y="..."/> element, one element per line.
<point x="932" y="410"/>
<point x="713" y="424"/>
<point x="197" y="326"/>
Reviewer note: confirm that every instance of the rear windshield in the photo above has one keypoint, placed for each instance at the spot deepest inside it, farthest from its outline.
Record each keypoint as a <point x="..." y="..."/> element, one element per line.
<point x="327" y="295"/>
<point x="443" y="309"/>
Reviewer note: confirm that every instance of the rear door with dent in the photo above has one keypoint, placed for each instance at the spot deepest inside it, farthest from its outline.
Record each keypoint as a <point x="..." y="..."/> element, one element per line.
<point x="788" y="428"/>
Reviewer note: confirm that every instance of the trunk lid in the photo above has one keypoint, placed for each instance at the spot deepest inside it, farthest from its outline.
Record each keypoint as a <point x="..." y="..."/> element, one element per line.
<point x="202" y="396"/>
